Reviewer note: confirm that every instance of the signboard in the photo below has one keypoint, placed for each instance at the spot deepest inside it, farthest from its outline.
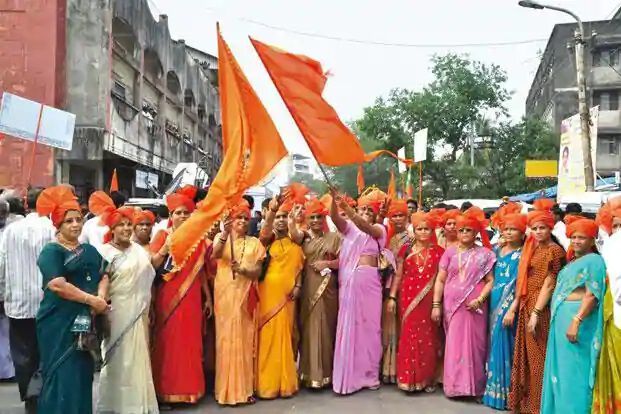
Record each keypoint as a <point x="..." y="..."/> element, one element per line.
<point x="143" y="178"/>
<point x="541" y="168"/>
<point x="571" y="164"/>
<point x="420" y="145"/>
<point x="19" y="117"/>
<point x="402" y="167"/>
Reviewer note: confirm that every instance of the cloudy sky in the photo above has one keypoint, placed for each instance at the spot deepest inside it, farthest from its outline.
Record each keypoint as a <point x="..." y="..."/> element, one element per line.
<point x="391" y="41"/>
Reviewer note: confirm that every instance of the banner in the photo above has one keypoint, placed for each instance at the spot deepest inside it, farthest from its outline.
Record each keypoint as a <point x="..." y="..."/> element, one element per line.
<point x="420" y="145"/>
<point x="571" y="164"/>
<point x="541" y="168"/>
<point x="402" y="166"/>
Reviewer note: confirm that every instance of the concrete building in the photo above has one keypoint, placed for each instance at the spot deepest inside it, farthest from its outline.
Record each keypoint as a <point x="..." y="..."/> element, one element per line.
<point x="553" y="94"/>
<point x="143" y="102"/>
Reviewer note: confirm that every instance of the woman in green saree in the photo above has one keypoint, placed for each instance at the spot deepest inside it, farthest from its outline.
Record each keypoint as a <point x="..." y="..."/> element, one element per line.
<point x="74" y="289"/>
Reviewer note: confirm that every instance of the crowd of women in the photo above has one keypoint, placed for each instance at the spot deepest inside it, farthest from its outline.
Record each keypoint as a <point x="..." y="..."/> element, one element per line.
<point x="419" y="300"/>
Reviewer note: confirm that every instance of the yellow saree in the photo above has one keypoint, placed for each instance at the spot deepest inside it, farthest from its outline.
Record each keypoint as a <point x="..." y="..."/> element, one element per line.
<point x="276" y="370"/>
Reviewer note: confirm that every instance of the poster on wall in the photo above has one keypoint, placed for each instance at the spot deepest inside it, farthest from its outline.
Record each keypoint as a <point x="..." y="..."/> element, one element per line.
<point x="571" y="164"/>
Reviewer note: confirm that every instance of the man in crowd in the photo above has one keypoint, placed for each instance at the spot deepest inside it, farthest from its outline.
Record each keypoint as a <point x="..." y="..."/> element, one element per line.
<point x="93" y="231"/>
<point x="20" y="288"/>
<point x="412" y="206"/>
<point x="7" y="371"/>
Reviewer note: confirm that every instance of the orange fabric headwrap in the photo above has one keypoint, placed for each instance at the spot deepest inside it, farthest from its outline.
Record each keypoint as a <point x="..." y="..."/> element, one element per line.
<point x="176" y="200"/>
<point x="517" y="221"/>
<point x="373" y="199"/>
<point x="314" y="206"/>
<point x="142" y="216"/>
<point x="398" y="206"/>
<point x="474" y="218"/>
<point x="432" y="219"/>
<point x="189" y="191"/>
<point x="55" y="202"/>
<point x="101" y="205"/>
<point x="577" y="224"/>
<point x="241" y="208"/>
<point x="607" y="214"/>
<point x="544" y="204"/>
<point x="114" y="218"/>
<point x="509" y="208"/>
<point x="545" y="217"/>
<point x="450" y="215"/>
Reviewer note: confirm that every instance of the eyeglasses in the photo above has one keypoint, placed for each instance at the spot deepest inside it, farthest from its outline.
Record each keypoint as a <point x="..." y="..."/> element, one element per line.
<point x="466" y="230"/>
<point x="316" y="217"/>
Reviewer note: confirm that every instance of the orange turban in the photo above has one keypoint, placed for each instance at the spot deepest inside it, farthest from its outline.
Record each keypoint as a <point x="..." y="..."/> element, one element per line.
<point x="142" y="216"/>
<point x="514" y="220"/>
<point x="577" y="224"/>
<point x="422" y="217"/>
<point x="607" y="214"/>
<point x="296" y="193"/>
<point x="398" y="206"/>
<point x="450" y="215"/>
<point x="55" y="202"/>
<point x="537" y="216"/>
<point x="189" y="191"/>
<point x="372" y="199"/>
<point x="509" y="208"/>
<point x="241" y="208"/>
<point x="101" y="205"/>
<point x="314" y="206"/>
<point x="544" y="204"/>
<point x="474" y="218"/>
<point x="176" y="200"/>
<point x="286" y="206"/>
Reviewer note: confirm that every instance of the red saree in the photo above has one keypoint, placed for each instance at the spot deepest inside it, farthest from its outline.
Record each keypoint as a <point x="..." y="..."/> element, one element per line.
<point x="418" y="353"/>
<point x="177" y="349"/>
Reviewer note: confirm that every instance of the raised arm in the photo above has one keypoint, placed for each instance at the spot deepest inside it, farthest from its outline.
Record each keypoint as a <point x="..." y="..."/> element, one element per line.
<point x="266" y="234"/>
<point x="339" y="222"/>
<point x="364" y="226"/>
<point x="295" y="234"/>
<point x="219" y="242"/>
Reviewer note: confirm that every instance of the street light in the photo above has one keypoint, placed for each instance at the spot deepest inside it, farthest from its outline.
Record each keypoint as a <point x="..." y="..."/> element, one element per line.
<point x="589" y="174"/>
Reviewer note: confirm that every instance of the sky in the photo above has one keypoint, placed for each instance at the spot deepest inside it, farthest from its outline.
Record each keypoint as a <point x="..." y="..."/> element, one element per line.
<point x="363" y="70"/>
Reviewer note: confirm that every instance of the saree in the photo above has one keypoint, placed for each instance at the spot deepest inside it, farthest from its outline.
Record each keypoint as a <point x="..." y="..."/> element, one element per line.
<point x="276" y="369"/>
<point x="236" y="323"/>
<point x="390" y="323"/>
<point x="126" y="383"/>
<point x="358" y="345"/>
<point x="530" y="350"/>
<point x="569" y="373"/>
<point x="419" y="341"/>
<point x="607" y="388"/>
<point x="466" y="331"/>
<point x="318" y="312"/>
<point x="501" y="338"/>
<point x="7" y="370"/>
<point x="67" y="373"/>
<point x="177" y="349"/>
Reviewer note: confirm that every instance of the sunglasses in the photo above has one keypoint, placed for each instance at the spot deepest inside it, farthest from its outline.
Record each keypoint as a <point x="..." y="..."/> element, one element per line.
<point x="316" y="217"/>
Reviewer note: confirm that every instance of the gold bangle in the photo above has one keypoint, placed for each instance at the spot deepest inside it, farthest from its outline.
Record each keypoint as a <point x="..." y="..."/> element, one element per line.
<point x="577" y="318"/>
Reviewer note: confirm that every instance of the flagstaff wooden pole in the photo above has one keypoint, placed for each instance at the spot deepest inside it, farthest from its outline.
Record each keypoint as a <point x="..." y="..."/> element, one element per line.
<point x="232" y="251"/>
<point x="420" y="184"/>
<point x="34" y="145"/>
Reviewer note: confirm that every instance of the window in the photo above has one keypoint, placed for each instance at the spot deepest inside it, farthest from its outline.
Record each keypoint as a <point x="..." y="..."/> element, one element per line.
<point x="607" y="100"/>
<point x="118" y="89"/>
<point x="606" y="57"/>
<point x="609" y="144"/>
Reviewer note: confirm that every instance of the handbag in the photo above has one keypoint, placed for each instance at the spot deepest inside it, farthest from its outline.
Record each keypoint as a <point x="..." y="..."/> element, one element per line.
<point x="384" y="267"/>
<point x="86" y="336"/>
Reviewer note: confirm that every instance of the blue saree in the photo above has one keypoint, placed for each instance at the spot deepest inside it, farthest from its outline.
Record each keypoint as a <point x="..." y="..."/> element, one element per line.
<point x="67" y="372"/>
<point x="500" y="359"/>
<point x="569" y="372"/>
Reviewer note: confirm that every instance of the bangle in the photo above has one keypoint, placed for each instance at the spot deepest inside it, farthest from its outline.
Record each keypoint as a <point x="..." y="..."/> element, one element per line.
<point x="392" y="298"/>
<point x="222" y="240"/>
<point x="298" y="286"/>
<point x="577" y="318"/>
<point x="86" y="298"/>
<point x="536" y="311"/>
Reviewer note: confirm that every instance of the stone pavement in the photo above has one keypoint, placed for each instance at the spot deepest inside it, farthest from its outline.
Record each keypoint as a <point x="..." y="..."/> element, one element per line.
<point x="388" y="400"/>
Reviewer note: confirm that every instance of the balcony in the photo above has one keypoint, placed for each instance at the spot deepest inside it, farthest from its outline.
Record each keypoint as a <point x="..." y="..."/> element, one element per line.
<point x="609" y="121"/>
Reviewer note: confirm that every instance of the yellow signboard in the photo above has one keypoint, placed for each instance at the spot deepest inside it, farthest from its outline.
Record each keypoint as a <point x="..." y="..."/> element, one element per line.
<point x="541" y="168"/>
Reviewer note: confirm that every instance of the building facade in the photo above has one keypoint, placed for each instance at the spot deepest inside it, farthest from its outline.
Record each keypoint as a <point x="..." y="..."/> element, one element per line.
<point x="553" y="95"/>
<point x="143" y="102"/>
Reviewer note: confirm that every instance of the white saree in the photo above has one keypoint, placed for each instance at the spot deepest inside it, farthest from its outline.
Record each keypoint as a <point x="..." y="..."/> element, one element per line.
<point x="126" y="384"/>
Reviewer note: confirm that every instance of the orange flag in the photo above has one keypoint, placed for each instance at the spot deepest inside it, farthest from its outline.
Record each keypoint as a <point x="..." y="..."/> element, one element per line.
<point x="360" y="179"/>
<point x="252" y="148"/>
<point x="374" y="154"/>
<point x="392" y="186"/>
<point x="114" y="182"/>
<point x="300" y="81"/>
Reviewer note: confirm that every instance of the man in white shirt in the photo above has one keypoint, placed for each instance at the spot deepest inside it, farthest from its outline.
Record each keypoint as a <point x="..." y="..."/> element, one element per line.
<point x="21" y="288"/>
<point x="93" y="231"/>
<point x="7" y="370"/>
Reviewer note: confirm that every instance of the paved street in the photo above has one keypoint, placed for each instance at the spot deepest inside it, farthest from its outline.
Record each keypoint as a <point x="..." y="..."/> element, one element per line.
<point x="386" y="400"/>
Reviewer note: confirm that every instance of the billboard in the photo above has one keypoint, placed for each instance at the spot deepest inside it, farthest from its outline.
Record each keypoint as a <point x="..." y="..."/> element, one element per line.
<point x="571" y="164"/>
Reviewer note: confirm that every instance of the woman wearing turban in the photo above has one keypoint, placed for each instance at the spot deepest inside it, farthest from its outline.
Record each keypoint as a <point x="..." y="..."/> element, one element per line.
<point x="607" y="389"/>
<point x="461" y="290"/>
<point x="358" y="349"/>
<point x="540" y="263"/>
<point x="182" y="301"/>
<point x="144" y="220"/>
<point x="448" y="223"/>
<point x="319" y="296"/>
<point x="575" y="324"/>
<point x="503" y="307"/>
<point x="278" y="291"/>
<point x="411" y="293"/>
<point x="126" y="383"/>
<point x="239" y="259"/>
<point x="75" y="286"/>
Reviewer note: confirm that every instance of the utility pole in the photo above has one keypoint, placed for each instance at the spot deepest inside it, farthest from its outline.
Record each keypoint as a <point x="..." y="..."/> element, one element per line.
<point x="583" y="109"/>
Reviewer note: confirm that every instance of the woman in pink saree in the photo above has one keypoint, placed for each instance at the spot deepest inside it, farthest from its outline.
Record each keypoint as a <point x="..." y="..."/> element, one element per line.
<point x="463" y="285"/>
<point x="358" y="348"/>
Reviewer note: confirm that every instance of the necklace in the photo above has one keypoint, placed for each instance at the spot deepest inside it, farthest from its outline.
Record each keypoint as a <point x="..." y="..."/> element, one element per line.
<point x="67" y="245"/>
<point x="241" y="258"/>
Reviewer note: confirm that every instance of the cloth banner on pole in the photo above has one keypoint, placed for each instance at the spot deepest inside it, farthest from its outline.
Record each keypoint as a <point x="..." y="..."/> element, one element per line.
<point x="403" y="167"/>
<point x="420" y="145"/>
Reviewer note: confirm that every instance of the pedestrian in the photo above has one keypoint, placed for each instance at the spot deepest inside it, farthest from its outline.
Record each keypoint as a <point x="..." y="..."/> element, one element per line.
<point x="358" y="349"/>
<point x="412" y="206"/>
<point x="460" y="295"/>
<point x="143" y="223"/>
<point x="20" y="289"/>
<point x="448" y="236"/>
<point x="182" y="302"/>
<point x="575" y="324"/>
<point x="411" y="297"/>
<point x="319" y="297"/>
<point x="607" y="387"/>
<point x="540" y="263"/>
<point x="279" y="289"/>
<point x="236" y="297"/>
<point x="75" y="287"/>
<point x="126" y="382"/>
<point x="7" y="369"/>
<point x="94" y="231"/>
<point x="503" y="309"/>
<point x="397" y="236"/>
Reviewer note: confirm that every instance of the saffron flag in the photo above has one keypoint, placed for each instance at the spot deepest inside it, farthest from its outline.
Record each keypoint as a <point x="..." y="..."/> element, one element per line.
<point x="360" y="179"/>
<point x="300" y="81"/>
<point x="114" y="182"/>
<point x="374" y="154"/>
<point x="252" y="148"/>
<point x="392" y="186"/>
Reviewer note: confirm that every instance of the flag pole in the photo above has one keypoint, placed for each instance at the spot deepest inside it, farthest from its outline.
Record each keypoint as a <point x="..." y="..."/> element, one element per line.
<point x="34" y="145"/>
<point x="420" y="184"/>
